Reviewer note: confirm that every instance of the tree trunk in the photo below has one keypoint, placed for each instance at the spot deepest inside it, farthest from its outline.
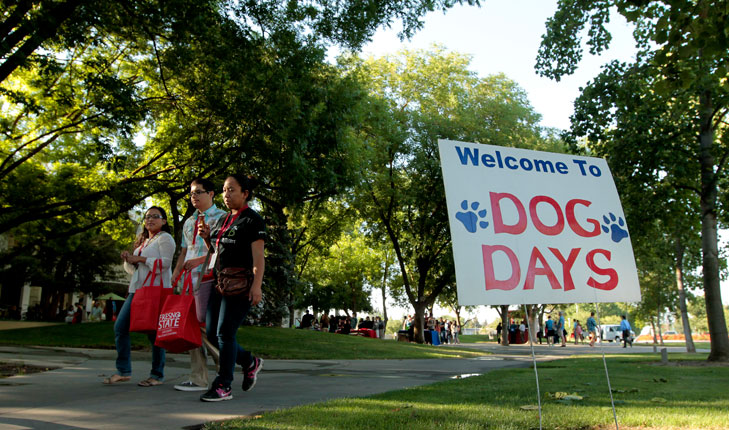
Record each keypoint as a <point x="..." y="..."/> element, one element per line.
<point x="384" y="291"/>
<point x="690" y="347"/>
<point x="660" y="331"/>
<point x="709" y="238"/>
<point x="418" y="319"/>
<point x="505" y="324"/>
<point x="176" y="220"/>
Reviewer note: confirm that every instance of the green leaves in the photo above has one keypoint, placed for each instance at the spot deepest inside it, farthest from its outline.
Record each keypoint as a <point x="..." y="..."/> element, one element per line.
<point x="417" y="98"/>
<point x="658" y="121"/>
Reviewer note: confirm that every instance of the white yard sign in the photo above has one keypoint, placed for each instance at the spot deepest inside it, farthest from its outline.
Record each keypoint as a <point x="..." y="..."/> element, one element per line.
<point x="535" y="227"/>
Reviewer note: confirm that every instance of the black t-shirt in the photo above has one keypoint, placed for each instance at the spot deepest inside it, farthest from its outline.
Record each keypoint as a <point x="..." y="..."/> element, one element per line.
<point x="235" y="245"/>
<point x="306" y="320"/>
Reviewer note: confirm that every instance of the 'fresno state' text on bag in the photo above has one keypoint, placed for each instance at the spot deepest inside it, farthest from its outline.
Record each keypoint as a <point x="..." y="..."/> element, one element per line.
<point x="169" y="319"/>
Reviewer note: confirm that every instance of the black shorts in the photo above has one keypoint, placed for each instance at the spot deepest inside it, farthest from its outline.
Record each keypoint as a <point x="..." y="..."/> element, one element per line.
<point x="550" y="332"/>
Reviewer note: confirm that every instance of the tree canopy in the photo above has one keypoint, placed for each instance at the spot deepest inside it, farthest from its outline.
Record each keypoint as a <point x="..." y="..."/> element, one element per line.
<point x="418" y="97"/>
<point x="682" y="65"/>
<point x="106" y="105"/>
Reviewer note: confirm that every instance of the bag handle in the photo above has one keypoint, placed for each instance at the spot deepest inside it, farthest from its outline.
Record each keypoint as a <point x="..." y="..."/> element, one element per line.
<point x="187" y="283"/>
<point x="205" y="265"/>
<point x="187" y="287"/>
<point x="153" y="274"/>
<point x="177" y="279"/>
<point x="186" y="275"/>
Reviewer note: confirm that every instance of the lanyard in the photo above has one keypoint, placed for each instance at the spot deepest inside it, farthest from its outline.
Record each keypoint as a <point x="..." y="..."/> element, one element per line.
<point x="194" y="233"/>
<point x="226" y="226"/>
<point x="147" y="242"/>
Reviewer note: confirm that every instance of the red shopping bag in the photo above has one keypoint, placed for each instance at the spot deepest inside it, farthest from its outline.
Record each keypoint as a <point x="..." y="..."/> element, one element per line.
<point x="147" y="302"/>
<point x="178" y="329"/>
<point x="201" y="291"/>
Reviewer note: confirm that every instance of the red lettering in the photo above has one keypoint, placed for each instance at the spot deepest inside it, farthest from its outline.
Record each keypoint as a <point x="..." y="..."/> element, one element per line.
<point x="488" y="268"/>
<point x="572" y="220"/>
<point x="612" y="282"/>
<point x="567" y="264"/>
<point x="545" y="270"/>
<point x="499" y="226"/>
<point x="548" y="230"/>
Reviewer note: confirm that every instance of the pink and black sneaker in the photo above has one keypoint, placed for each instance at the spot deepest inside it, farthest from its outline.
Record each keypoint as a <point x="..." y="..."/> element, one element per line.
<point x="250" y="375"/>
<point x="217" y="394"/>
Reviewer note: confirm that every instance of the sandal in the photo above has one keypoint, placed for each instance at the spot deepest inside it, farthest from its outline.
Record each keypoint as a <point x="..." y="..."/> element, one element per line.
<point x="115" y="379"/>
<point x="150" y="382"/>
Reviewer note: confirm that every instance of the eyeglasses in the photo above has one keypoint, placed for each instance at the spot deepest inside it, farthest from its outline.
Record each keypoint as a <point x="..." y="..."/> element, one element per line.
<point x="153" y="216"/>
<point x="198" y="192"/>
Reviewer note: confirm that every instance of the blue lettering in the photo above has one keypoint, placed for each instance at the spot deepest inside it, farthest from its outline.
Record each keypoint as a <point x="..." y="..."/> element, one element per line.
<point x="467" y="154"/>
<point x="581" y="163"/>
<point x="472" y="156"/>
<point x="543" y="166"/>
<point x="488" y="160"/>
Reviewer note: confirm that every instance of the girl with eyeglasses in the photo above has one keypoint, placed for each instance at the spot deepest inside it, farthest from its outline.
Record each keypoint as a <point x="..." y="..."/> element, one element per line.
<point x="155" y="243"/>
<point x="236" y="241"/>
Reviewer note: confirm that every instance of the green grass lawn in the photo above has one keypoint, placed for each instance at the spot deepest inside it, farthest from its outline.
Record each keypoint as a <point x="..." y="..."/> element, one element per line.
<point x="91" y="335"/>
<point x="266" y="342"/>
<point x="698" y="345"/>
<point x="683" y="395"/>
<point x="475" y="338"/>
<point x="482" y="338"/>
<point x="647" y="395"/>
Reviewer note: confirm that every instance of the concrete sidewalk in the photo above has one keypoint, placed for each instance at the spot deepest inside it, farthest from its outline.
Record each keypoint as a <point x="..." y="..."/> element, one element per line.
<point x="73" y="397"/>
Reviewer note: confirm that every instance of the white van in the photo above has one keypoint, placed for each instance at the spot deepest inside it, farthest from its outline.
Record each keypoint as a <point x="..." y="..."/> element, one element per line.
<point x="612" y="332"/>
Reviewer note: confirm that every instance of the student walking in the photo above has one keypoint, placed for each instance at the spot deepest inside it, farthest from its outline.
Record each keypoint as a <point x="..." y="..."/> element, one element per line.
<point x="592" y="328"/>
<point x="237" y="241"/>
<point x="561" y="329"/>
<point x="625" y="328"/>
<point x="549" y="325"/>
<point x="153" y="249"/>
<point x="192" y="256"/>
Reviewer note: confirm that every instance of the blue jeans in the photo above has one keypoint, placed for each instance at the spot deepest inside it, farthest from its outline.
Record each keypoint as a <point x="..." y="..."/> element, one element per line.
<point x="225" y="314"/>
<point x="124" y="346"/>
<point x="626" y="338"/>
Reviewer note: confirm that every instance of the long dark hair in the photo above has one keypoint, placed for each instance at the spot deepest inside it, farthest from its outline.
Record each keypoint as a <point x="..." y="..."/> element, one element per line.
<point x="145" y="233"/>
<point x="247" y="183"/>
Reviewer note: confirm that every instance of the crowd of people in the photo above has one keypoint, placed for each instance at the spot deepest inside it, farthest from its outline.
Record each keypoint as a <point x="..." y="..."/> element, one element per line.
<point x="446" y="331"/>
<point x="343" y="324"/>
<point x="555" y="331"/>
<point x="77" y="314"/>
<point x="517" y="333"/>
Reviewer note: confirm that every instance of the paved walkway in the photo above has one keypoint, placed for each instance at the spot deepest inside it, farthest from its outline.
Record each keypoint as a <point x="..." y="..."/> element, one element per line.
<point x="72" y="396"/>
<point x="11" y="325"/>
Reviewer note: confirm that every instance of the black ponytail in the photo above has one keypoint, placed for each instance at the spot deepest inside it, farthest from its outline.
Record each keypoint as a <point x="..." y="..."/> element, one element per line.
<point x="247" y="183"/>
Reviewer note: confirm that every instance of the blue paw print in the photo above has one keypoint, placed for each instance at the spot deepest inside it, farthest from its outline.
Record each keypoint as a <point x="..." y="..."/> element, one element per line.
<point x="470" y="218"/>
<point x="614" y="226"/>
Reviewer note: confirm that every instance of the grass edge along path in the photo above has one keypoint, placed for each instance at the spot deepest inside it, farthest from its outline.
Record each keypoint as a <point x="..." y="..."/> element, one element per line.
<point x="574" y="396"/>
<point x="266" y="342"/>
